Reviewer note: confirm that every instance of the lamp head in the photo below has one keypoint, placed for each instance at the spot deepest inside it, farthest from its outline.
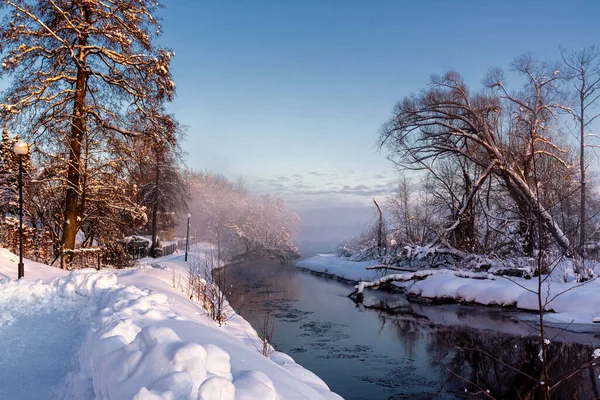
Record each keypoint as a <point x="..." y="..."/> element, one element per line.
<point x="189" y="215"/>
<point x="21" y="148"/>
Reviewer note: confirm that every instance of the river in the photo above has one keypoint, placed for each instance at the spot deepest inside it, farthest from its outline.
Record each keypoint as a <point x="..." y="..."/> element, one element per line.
<point x="416" y="350"/>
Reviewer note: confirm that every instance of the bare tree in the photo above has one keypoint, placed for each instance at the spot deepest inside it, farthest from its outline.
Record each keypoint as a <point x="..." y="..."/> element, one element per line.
<point x="450" y="182"/>
<point x="400" y="209"/>
<point x="411" y="209"/>
<point x="446" y="120"/>
<point x="507" y="137"/>
<point x="584" y="69"/>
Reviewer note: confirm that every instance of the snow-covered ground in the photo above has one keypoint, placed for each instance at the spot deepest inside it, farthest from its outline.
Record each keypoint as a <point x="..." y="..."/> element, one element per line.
<point x="128" y="334"/>
<point x="568" y="302"/>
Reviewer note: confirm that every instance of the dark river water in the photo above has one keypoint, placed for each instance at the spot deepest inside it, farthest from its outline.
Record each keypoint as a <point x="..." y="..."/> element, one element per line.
<point x="415" y="351"/>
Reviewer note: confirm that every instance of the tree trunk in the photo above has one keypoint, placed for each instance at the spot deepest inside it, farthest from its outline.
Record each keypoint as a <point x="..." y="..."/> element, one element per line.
<point x="526" y="225"/>
<point x="72" y="203"/>
<point x="464" y="233"/>
<point x="524" y="197"/>
<point x="582" y="217"/>
<point x="380" y="239"/>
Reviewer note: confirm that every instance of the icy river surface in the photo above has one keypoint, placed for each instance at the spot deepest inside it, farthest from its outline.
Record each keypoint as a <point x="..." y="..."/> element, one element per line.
<point x="415" y="351"/>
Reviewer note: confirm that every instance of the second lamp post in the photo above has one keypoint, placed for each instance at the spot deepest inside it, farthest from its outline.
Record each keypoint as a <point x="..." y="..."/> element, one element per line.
<point x="187" y="236"/>
<point x="21" y="149"/>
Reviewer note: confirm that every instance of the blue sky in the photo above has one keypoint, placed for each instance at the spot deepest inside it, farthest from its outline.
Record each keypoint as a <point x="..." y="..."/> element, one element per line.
<point x="290" y="95"/>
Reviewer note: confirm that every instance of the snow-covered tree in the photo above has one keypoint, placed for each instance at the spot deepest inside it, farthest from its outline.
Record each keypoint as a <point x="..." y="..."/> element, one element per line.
<point x="266" y="227"/>
<point x="215" y="204"/>
<point x="412" y="215"/>
<point x="484" y="130"/>
<point x="245" y="225"/>
<point x="162" y="188"/>
<point x="78" y="69"/>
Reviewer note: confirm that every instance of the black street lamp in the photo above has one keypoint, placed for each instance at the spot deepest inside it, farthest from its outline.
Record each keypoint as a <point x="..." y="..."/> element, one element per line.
<point x="187" y="236"/>
<point x="21" y="149"/>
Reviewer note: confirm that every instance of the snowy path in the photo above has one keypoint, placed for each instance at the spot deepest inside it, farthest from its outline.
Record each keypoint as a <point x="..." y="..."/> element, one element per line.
<point x="131" y="335"/>
<point x="29" y="345"/>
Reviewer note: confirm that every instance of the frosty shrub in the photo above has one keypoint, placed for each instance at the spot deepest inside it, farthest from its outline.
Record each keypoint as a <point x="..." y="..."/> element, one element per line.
<point x="265" y="334"/>
<point x="209" y="283"/>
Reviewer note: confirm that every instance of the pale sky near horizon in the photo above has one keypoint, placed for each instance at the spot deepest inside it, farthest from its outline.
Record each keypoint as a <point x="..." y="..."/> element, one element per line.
<point x="290" y="95"/>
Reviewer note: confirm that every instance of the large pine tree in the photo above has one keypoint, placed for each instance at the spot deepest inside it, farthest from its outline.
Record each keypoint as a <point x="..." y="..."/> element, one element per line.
<point x="8" y="175"/>
<point x="80" y="69"/>
<point x="162" y="189"/>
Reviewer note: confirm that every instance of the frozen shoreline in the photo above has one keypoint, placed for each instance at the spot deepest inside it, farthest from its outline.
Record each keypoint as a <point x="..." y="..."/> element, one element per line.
<point x="571" y="302"/>
<point x="142" y="338"/>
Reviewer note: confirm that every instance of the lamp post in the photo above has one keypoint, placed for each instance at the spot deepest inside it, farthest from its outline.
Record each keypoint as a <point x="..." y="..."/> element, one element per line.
<point x="187" y="236"/>
<point x="21" y="149"/>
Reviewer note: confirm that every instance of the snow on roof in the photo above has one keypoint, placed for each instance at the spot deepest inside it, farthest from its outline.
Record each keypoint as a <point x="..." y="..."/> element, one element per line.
<point x="136" y="238"/>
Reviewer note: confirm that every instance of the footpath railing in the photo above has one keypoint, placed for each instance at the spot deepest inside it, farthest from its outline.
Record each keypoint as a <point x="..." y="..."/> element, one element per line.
<point x="165" y="249"/>
<point x="97" y="257"/>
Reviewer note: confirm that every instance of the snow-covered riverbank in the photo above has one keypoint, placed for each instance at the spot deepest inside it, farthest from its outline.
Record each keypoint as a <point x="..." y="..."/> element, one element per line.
<point x="128" y="334"/>
<point x="330" y="264"/>
<point x="569" y="302"/>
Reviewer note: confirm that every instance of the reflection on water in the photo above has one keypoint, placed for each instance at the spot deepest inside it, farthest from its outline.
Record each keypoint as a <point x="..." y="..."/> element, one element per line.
<point x="418" y="351"/>
<point x="508" y="366"/>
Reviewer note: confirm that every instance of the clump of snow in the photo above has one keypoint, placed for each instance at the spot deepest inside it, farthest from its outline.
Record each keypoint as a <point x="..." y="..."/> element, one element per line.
<point x="139" y="239"/>
<point x="341" y="267"/>
<point x="254" y="385"/>
<point x="216" y="388"/>
<point x="130" y="368"/>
